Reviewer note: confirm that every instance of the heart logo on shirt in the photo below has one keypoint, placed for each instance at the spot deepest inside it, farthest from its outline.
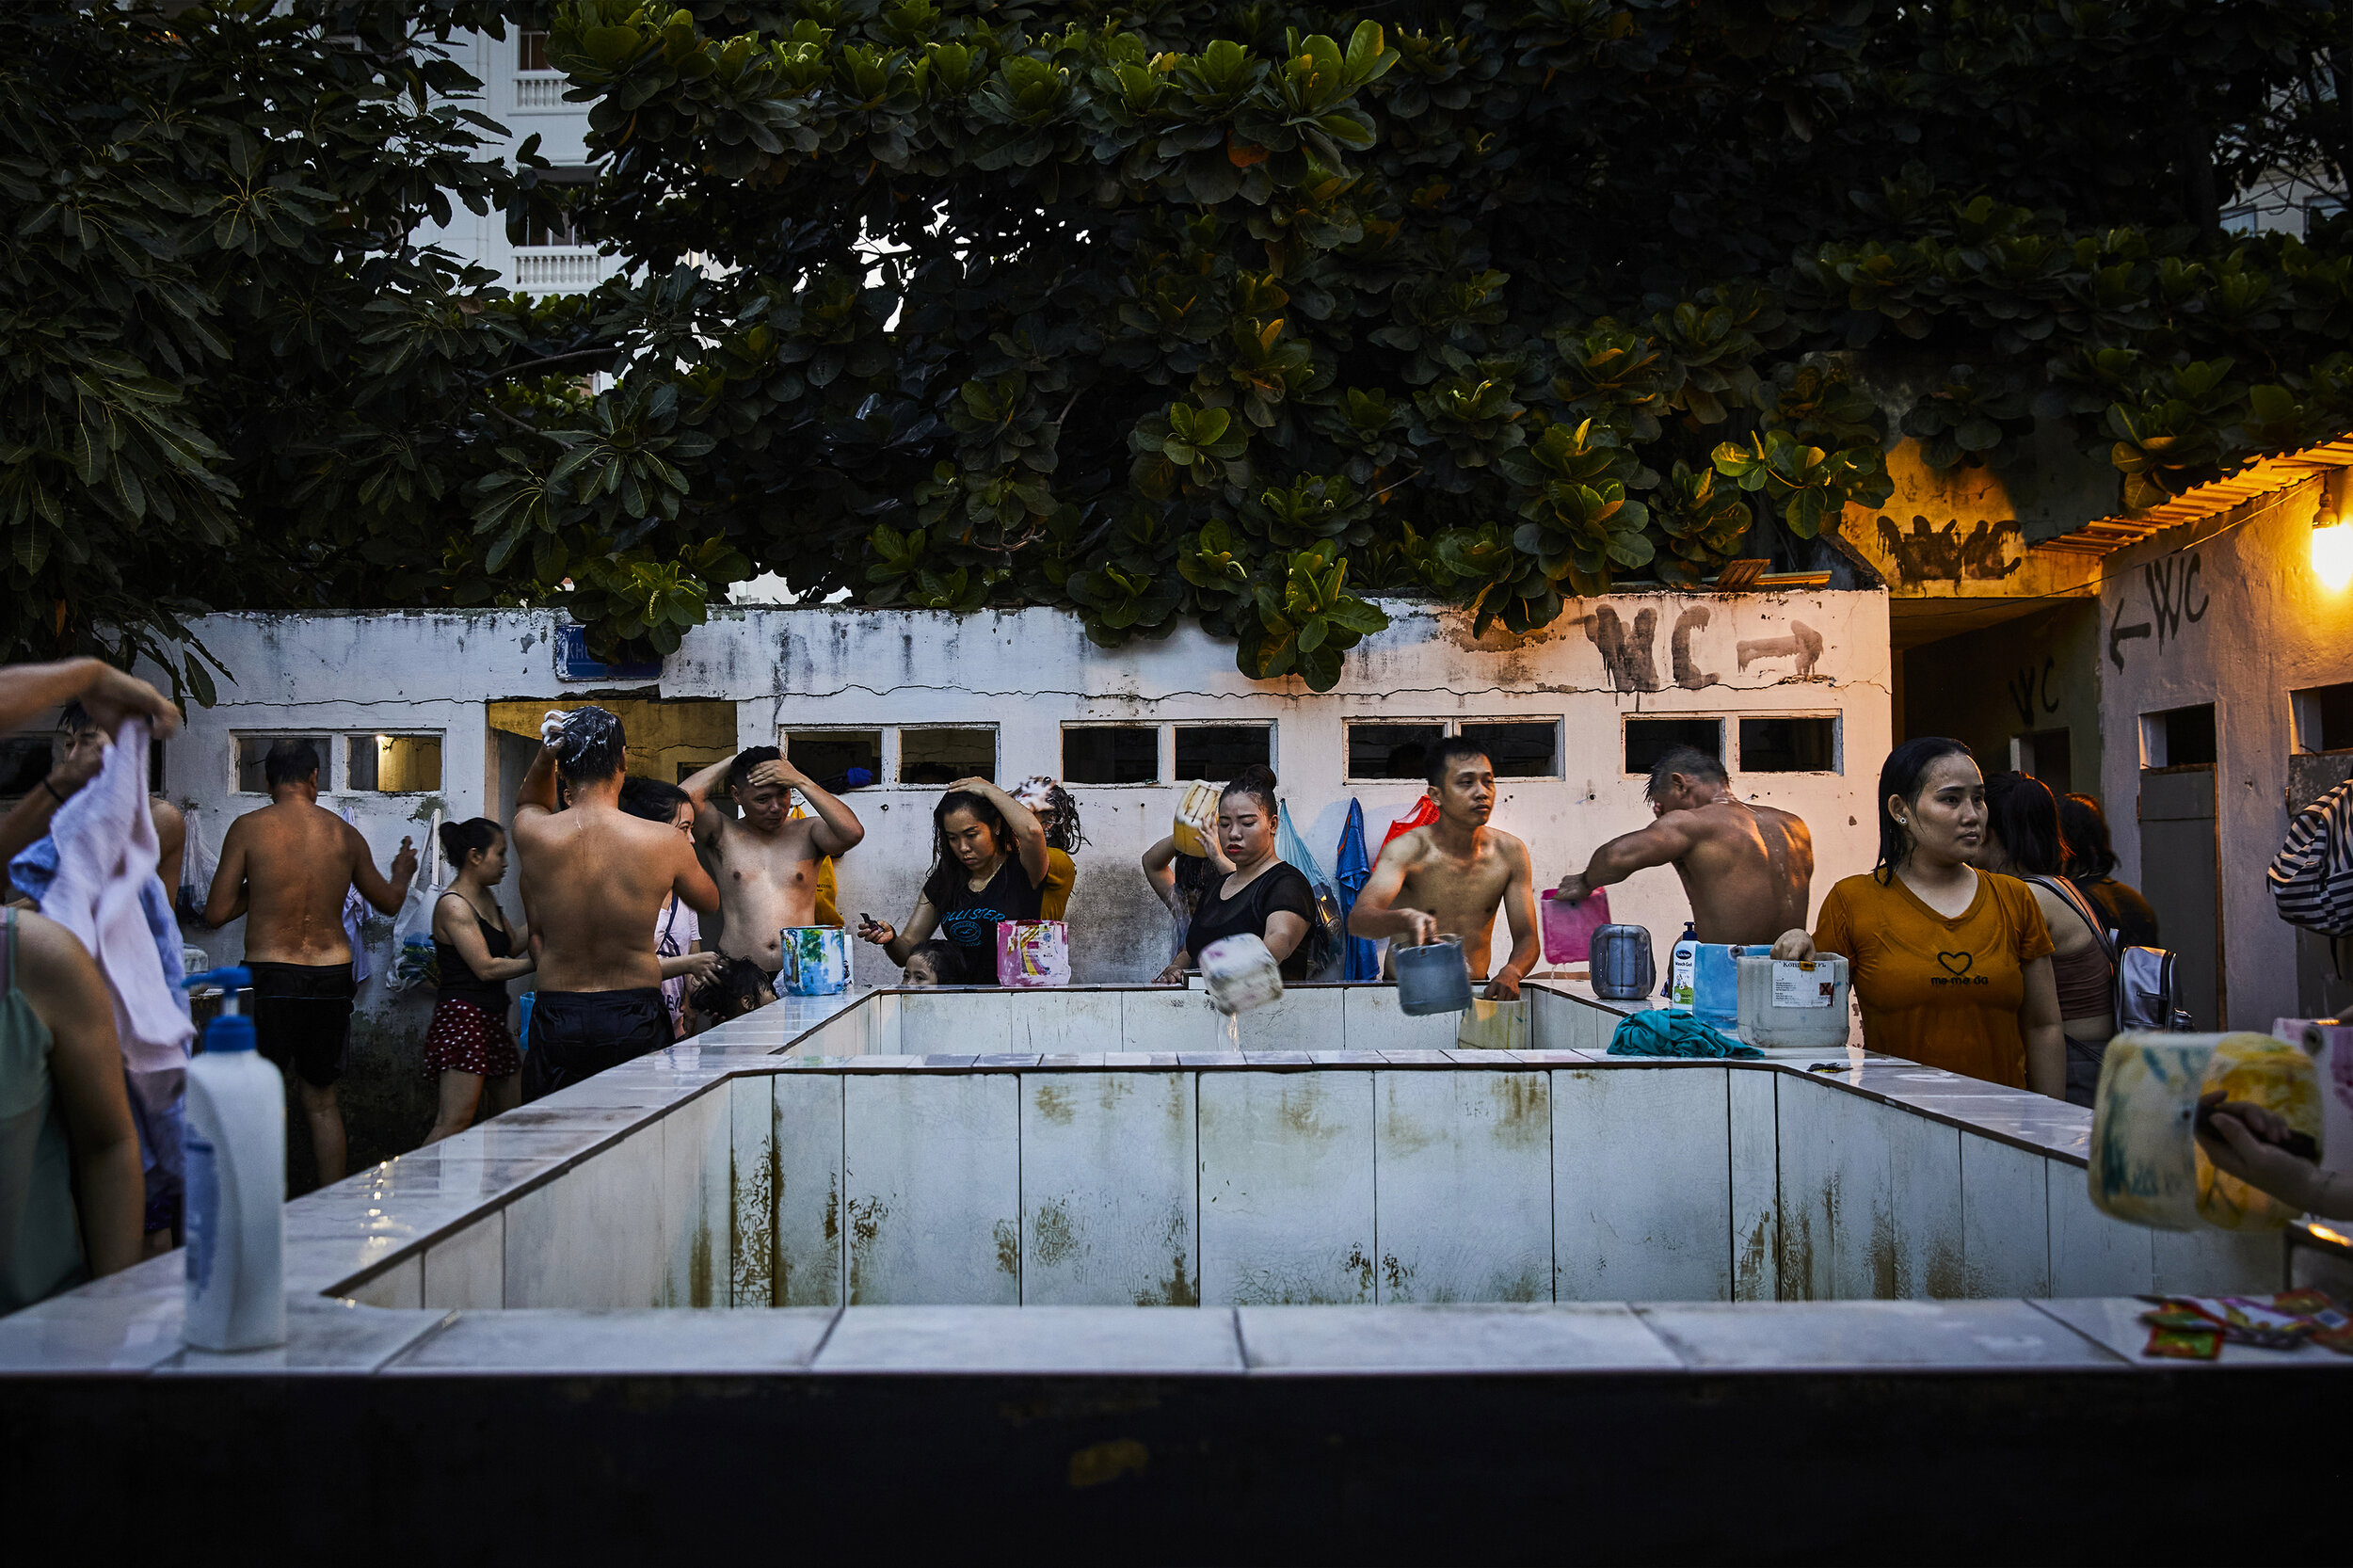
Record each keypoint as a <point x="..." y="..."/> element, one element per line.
<point x="1956" y="963"/>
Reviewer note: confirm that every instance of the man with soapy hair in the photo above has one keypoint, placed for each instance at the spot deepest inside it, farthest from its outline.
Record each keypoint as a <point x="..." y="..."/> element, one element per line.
<point x="594" y="878"/>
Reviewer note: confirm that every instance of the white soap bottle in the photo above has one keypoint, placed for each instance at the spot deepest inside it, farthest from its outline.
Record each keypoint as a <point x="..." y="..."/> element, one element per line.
<point x="236" y="1184"/>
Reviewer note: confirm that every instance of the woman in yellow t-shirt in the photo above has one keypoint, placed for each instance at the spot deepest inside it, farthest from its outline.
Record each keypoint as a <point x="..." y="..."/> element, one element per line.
<point x="1952" y="966"/>
<point x="1059" y="815"/>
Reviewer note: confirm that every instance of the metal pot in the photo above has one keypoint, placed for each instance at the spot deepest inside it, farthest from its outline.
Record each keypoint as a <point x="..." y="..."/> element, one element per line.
<point x="1431" y="978"/>
<point x="1622" y="963"/>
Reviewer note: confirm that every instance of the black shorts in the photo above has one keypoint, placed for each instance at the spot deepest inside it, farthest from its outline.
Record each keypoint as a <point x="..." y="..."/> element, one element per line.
<point x="577" y="1035"/>
<point x="302" y="1017"/>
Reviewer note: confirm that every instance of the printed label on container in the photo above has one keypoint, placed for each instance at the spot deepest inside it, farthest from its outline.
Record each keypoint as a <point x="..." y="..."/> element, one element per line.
<point x="203" y="1220"/>
<point x="1801" y="984"/>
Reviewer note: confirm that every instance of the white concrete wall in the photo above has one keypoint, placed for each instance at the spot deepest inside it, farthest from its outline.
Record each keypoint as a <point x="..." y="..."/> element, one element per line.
<point x="2241" y="622"/>
<point x="1028" y="672"/>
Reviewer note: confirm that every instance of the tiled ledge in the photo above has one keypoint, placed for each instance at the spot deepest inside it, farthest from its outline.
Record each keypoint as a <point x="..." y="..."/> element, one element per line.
<point x="1567" y="1340"/>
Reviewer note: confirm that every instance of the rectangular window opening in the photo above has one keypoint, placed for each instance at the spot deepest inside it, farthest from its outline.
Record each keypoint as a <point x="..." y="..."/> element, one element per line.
<point x="1217" y="752"/>
<point x="2178" y="736"/>
<point x="1518" y="750"/>
<point x="838" y="760"/>
<point x="1391" y="750"/>
<point x="2047" y="755"/>
<point x="531" y="52"/>
<point x="931" y="758"/>
<point x="1789" y="746"/>
<point x="2324" y="718"/>
<point x="1648" y="740"/>
<point x="394" y="764"/>
<point x="253" y="757"/>
<point x="1110" y="753"/>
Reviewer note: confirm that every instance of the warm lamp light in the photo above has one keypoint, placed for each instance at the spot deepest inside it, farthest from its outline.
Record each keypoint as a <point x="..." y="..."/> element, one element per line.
<point x="2333" y="555"/>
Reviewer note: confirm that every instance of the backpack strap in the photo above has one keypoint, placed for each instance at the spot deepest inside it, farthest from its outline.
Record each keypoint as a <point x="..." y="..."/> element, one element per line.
<point x="2075" y="901"/>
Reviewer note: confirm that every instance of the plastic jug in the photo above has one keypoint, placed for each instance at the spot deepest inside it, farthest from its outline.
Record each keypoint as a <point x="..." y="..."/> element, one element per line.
<point x="2260" y="1070"/>
<point x="1433" y="978"/>
<point x="1624" y="966"/>
<point x="1715" y="984"/>
<point x="1568" y="927"/>
<point x="1195" y="826"/>
<point x="2145" y="1165"/>
<point x="236" y="1175"/>
<point x="816" y="961"/>
<point x="1238" y="973"/>
<point x="1032" y="952"/>
<point x="1793" y="1004"/>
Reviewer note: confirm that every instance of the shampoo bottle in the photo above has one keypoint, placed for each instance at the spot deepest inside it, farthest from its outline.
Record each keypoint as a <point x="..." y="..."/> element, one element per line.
<point x="236" y="1175"/>
<point x="1681" y="968"/>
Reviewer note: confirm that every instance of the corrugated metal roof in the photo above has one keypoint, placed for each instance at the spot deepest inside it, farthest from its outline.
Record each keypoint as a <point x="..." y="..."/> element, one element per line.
<point x="2265" y="476"/>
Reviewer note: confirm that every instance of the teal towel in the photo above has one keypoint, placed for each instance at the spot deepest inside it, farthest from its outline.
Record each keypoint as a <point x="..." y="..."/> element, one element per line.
<point x="1673" y="1031"/>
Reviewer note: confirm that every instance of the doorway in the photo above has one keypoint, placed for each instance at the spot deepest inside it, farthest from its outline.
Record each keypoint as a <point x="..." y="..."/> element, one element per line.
<point x="2180" y="855"/>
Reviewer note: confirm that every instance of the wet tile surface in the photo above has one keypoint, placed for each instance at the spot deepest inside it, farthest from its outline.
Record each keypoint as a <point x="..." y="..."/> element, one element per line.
<point x="1868" y="1334"/>
<point x="1640" y="1185"/>
<point x="1581" y="1336"/>
<point x="1062" y="1339"/>
<point x="1286" y="1188"/>
<point x="1109" y="1190"/>
<point x="1465" y="1186"/>
<point x="585" y="1343"/>
<point x="2115" y="1323"/>
<point x="327" y="1338"/>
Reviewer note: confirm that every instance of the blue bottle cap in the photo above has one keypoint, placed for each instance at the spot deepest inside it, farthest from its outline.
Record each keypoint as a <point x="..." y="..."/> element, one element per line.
<point x="229" y="1032"/>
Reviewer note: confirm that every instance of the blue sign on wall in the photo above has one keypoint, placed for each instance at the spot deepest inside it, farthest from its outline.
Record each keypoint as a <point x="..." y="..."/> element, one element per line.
<point x="573" y="663"/>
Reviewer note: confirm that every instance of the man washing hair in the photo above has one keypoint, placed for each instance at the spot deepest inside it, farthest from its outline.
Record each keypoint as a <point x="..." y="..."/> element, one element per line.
<point x="1748" y="870"/>
<point x="1451" y="876"/>
<point x="594" y="878"/>
<point x="287" y="869"/>
<point x="767" y="861"/>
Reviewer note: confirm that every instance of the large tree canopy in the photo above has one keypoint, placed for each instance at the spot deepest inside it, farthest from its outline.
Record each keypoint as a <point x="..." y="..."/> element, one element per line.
<point x="1161" y="311"/>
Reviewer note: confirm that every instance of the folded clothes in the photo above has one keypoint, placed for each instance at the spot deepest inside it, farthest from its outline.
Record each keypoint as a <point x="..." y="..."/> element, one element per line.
<point x="1673" y="1031"/>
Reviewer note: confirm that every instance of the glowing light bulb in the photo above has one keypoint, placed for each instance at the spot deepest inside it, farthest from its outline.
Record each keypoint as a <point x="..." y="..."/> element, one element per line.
<point x="2333" y="555"/>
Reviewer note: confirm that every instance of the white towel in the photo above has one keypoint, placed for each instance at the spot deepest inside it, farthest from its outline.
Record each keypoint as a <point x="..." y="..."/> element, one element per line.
<point x="105" y="837"/>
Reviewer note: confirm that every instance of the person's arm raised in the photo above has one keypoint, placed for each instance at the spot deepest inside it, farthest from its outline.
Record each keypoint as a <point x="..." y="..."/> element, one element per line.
<point x="227" y="900"/>
<point x="536" y="795"/>
<point x="29" y="691"/>
<point x="837" y="829"/>
<point x="1519" y="910"/>
<point x="86" y="1063"/>
<point x="384" y="895"/>
<point x="1029" y="834"/>
<point x="29" y="819"/>
<point x="1374" y="916"/>
<point x="1661" y="844"/>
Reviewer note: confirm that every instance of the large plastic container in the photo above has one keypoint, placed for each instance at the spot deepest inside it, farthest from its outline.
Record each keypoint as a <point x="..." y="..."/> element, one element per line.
<point x="1433" y="978"/>
<point x="236" y="1175"/>
<point x="816" y="961"/>
<point x="1623" y="965"/>
<point x="1568" y="927"/>
<point x="1238" y="973"/>
<point x="2145" y="1165"/>
<point x="1715" y="984"/>
<point x="1032" y="952"/>
<point x="1793" y="1004"/>
<point x="1194" y="827"/>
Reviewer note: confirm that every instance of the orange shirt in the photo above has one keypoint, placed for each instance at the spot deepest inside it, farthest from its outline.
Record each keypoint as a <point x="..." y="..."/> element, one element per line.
<point x="1061" y="871"/>
<point x="1942" y="992"/>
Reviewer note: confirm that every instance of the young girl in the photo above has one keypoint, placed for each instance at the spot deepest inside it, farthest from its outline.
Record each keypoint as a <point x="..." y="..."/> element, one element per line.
<point x="989" y="865"/>
<point x="468" y="1043"/>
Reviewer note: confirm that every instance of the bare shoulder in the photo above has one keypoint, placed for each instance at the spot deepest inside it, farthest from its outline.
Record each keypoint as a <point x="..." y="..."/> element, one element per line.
<point x="52" y="961"/>
<point x="1408" y="848"/>
<point x="1507" y="847"/>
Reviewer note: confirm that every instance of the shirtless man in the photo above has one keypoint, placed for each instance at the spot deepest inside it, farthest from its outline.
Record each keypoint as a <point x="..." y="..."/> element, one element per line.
<point x="595" y="878"/>
<point x="1450" y="876"/>
<point x="767" y="863"/>
<point x="1748" y="870"/>
<point x="287" y="869"/>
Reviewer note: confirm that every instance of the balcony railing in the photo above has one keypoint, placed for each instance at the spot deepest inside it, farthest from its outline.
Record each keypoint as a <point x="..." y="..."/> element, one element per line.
<point x="539" y="89"/>
<point x="558" y="268"/>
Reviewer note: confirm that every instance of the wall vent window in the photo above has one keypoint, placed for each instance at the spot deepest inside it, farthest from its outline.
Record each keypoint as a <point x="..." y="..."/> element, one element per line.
<point x="1217" y="752"/>
<point x="394" y="764"/>
<point x="2178" y="736"/>
<point x="2324" y="718"/>
<point x="932" y="757"/>
<point x="1518" y="750"/>
<point x="1110" y="753"/>
<point x="252" y="750"/>
<point x="1648" y="740"/>
<point x="1789" y="746"/>
<point x="837" y="758"/>
<point x="1391" y="750"/>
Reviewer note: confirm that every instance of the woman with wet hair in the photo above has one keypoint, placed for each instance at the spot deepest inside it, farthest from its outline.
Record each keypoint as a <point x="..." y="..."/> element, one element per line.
<point x="468" y="1047"/>
<point x="1263" y="895"/>
<point x="988" y="865"/>
<point x="1951" y="965"/>
<point x="1058" y="814"/>
<point x="2024" y="840"/>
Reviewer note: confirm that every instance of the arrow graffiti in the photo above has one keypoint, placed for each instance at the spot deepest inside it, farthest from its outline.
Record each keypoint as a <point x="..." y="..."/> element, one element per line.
<point x="2119" y="633"/>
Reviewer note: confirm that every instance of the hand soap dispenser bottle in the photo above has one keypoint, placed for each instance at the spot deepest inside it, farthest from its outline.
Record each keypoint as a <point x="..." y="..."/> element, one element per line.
<point x="236" y="1175"/>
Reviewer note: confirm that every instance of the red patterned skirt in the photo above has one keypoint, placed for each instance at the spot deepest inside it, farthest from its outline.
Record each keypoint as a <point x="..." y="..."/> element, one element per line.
<point x="465" y="1037"/>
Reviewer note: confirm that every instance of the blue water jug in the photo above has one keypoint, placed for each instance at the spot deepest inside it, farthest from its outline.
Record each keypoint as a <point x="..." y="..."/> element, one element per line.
<point x="1716" y="986"/>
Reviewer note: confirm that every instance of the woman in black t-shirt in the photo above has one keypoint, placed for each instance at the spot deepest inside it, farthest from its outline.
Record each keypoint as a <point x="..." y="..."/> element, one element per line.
<point x="1264" y="896"/>
<point x="988" y="865"/>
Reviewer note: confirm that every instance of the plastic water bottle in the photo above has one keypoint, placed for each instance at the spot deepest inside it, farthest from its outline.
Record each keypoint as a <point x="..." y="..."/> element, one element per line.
<point x="1681" y="968"/>
<point x="236" y="1175"/>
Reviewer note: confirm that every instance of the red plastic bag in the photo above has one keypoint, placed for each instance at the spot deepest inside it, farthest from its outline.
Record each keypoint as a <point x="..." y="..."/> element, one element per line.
<point x="1425" y="811"/>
